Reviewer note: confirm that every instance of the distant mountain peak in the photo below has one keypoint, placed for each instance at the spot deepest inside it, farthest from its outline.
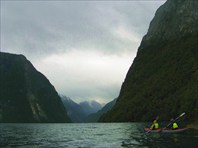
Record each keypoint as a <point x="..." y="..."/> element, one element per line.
<point x="90" y="106"/>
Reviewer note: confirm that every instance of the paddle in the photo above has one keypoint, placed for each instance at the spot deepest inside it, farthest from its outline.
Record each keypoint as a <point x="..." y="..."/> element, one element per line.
<point x="174" y="120"/>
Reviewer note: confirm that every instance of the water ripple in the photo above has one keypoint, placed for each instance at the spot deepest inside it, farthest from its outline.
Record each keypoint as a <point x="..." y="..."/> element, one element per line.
<point x="97" y="135"/>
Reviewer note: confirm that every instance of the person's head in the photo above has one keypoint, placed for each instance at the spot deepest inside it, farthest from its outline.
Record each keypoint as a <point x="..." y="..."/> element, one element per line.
<point x="172" y="119"/>
<point x="155" y="121"/>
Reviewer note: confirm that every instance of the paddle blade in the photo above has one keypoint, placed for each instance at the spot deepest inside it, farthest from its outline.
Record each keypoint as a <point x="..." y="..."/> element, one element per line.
<point x="182" y="114"/>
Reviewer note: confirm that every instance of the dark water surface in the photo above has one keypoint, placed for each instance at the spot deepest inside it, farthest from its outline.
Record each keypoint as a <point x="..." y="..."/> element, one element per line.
<point x="100" y="135"/>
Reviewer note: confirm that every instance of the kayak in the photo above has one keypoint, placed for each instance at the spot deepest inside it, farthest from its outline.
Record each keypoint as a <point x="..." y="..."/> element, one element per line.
<point x="175" y="130"/>
<point x="165" y="130"/>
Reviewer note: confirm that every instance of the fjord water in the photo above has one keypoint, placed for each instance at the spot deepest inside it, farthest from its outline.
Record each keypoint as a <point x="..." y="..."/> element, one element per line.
<point x="110" y="135"/>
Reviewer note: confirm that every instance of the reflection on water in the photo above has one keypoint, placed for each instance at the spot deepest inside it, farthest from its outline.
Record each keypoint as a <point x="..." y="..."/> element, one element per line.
<point x="91" y="135"/>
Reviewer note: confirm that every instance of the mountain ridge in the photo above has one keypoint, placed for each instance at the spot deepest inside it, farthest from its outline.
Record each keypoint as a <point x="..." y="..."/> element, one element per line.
<point x="74" y="110"/>
<point x="78" y="112"/>
<point x="94" y="117"/>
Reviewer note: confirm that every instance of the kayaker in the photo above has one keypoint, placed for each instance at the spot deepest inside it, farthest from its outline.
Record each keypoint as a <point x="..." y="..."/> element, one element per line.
<point x="174" y="125"/>
<point x="155" y="125"/>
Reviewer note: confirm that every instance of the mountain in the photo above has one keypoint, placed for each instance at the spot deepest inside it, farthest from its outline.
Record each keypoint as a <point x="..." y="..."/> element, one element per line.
<point x="163" y="79"/>
<point x="90" y="107"/>
<point x="94" y="117"/>
<point x="79" y="112"/>
<point x="74" y="110"/>
<point x="26" y="95"/>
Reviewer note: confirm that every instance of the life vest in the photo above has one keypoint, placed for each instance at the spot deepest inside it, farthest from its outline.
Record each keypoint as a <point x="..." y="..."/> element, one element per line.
<point x="175" y="125"/>
<point x="156" y="125"/>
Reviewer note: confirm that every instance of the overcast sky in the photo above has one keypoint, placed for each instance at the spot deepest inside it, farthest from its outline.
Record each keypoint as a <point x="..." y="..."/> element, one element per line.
<point x="84" y="48"/>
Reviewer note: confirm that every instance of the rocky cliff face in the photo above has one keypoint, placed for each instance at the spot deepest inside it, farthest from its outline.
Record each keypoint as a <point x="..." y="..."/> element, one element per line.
<point x="163" y="79"/>
<point x="26" y="95"/>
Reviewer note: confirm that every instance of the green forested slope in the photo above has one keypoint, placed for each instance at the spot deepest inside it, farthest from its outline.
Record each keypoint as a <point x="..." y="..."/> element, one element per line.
<point x="26" y="95"/>
<point x="163" y="79"/>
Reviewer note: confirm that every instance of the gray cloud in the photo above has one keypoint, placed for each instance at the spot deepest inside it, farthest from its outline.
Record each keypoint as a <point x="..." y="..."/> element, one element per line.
<point x="51" y="26"/>
<point x="40" y="29"/>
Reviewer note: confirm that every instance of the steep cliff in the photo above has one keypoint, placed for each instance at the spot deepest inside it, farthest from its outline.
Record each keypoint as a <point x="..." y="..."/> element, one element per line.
<point x="163" y="79"/>
<point x="26" y="95"/>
